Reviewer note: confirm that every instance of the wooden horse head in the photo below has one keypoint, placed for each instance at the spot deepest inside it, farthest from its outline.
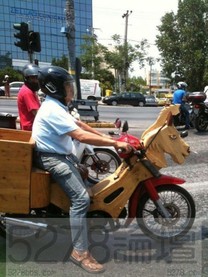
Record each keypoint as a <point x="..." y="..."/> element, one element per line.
<point x="163" y="138"/>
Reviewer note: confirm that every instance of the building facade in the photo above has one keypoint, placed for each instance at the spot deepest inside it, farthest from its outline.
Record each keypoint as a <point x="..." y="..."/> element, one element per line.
<point x="48" y="17"/>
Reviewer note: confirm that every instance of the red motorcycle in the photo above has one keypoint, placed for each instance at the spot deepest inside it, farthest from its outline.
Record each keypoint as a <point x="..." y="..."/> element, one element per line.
<point x="136" y="190"/>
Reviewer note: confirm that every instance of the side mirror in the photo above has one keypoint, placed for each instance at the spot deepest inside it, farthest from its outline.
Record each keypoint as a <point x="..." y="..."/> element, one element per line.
<point x="125" y="127"/>
<point x="117" y="123"/>
<point x="184" y="134"/>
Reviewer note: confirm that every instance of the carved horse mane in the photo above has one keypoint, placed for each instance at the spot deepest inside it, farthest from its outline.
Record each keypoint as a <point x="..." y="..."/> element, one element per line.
<point x="162" y="137"/>
<point x="162" y="117"/>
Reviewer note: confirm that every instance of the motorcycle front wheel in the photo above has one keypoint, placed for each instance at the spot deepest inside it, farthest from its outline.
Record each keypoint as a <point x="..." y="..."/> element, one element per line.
<point x="102" y="164"/>
<point x="201" y="123"/>
<point x="179" y="204"/>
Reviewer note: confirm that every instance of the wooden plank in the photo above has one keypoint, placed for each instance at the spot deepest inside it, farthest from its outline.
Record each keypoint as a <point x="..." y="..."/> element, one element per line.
<point x="40" y="188"/>
<point x="59" y="198"/>
<point x="14" y="135"/>
<point x="125" y="184"/>
<point x="15" y="171"/>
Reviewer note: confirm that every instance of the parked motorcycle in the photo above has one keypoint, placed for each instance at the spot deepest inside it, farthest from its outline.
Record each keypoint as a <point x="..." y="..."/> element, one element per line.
<point x="100" y="161"/>
<point x="200" y="110"/>
<point x="137" y="189"/>
<point x="180" y="119"/>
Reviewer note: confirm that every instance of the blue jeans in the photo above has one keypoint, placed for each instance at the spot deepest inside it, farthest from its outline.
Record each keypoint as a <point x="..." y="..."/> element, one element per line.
<point x="63" y="170"/>
<point x="186" y="114"/>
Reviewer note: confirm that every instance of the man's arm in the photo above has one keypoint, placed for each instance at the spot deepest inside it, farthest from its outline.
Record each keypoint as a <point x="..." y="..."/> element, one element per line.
<point x="94" y="139"/>
<point x="88" y="128"/>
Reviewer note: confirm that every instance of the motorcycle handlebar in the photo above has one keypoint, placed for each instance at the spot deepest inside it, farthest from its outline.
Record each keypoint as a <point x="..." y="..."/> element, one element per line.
<point x="147" y="163"/>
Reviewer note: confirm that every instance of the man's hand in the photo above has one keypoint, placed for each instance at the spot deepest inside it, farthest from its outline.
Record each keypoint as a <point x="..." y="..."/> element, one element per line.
<point x="123" y="145"/>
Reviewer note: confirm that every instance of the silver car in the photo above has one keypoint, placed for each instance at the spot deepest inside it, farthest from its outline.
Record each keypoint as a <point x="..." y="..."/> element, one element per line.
<point x="151" y="100"/>
<point x="14" y="88"/>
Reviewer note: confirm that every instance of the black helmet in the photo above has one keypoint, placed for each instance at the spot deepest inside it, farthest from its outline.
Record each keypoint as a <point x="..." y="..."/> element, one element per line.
<point x="182" y="85"/>
<point x="30" y="70"/>
<point x="53" y="78"/>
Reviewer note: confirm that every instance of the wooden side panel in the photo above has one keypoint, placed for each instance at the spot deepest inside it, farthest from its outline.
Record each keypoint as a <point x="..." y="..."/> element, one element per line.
<point x="14" y="135"/>
<point x="15" y="171"/>
<point x="59" y="198"/>
<point x="126" y="183"/>
<point x="40" y="188"/>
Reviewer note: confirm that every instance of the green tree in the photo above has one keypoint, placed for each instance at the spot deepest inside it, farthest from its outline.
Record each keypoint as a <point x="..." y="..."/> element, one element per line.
<point x="115" y="58"/>
<point x="103" y="64"/>
<point x="62" y="62"/>
<point x="135" y="84"/>
<point x="182" y="42"/>
<point x="168" y="44"/>
<point x="92" y="57"/>
<point x="14" y="75"/>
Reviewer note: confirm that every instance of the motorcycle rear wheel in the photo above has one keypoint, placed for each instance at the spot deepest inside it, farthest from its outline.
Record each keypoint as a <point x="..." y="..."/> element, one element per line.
<point x="180" y="205"/>
<point x="107" y="161"/>
<point x="201" y="123"/>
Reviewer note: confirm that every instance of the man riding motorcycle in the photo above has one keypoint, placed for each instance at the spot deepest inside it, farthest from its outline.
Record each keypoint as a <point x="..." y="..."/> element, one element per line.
<point x="179" y="97"/>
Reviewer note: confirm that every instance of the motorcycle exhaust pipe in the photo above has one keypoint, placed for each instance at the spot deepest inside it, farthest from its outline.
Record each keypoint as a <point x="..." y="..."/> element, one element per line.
<point x="24" y="223"/>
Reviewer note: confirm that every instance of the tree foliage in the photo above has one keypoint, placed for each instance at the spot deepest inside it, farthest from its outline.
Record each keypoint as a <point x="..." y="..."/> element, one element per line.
<point x="14" y="75"/>
<point x="182" y="43"/>
<point x="62" y="62"/>
<point x="106" y="65"/>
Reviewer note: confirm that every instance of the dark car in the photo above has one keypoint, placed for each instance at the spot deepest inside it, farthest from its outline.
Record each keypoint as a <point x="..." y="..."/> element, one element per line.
<point x="151" y="100"/>
<point x="126" y="98"/>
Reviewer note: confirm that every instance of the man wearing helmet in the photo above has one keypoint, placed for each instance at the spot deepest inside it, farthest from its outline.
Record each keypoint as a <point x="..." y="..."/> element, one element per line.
<point x="27" y="100"/>
<point x="53" y="131"/>
<point x="179" y="97"/>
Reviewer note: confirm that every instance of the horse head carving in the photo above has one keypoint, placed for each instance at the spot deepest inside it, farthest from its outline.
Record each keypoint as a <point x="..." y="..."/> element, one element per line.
<point x="163" y="138"/>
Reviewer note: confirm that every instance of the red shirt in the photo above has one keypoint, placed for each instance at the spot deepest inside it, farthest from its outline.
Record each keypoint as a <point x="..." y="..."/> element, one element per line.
<point x="27" y="101"/>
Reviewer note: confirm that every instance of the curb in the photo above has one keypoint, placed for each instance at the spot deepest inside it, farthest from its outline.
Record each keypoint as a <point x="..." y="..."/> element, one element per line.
<point x="101" y="124"/>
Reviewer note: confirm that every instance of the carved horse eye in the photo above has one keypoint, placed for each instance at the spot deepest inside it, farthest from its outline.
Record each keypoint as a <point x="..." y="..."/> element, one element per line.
<point x="173" y="137"/>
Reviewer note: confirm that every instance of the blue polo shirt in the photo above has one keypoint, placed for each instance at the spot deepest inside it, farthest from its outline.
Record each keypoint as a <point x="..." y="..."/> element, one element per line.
<point x="178" y="96"/>
<point x="50" y="127"/>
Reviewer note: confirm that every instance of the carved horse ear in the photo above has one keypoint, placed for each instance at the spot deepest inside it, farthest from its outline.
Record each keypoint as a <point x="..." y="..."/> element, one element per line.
<point x="169" y="119"/>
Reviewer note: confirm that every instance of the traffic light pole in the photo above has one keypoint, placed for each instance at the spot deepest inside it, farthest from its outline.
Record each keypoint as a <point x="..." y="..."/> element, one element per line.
<point x="30" y="57"/>
<point x="126" y="65"/>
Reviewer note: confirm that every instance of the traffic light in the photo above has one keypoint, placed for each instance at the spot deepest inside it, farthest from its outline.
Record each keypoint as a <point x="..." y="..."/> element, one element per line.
<point x="34" y="41"/>
<point x="22" y="35"/>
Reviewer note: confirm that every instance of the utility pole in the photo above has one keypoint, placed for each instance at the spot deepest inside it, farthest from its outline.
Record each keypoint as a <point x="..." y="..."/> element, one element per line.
<point x="70" y="34"/>
<point x="151" y="62"/>
<point x="126" y="63"/>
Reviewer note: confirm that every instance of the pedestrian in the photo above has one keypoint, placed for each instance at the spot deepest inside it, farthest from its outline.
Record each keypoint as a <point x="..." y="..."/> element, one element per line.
<point x="53" y="130"/>
<point x="6" y="85"/>
<point x="179" y="97"/>
<point x="27" y="99"/>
